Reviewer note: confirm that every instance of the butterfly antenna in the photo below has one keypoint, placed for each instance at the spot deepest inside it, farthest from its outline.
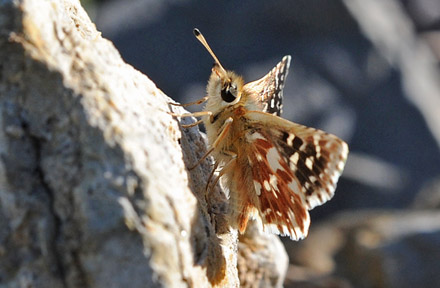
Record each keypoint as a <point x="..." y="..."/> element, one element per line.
<point x="202" y="40"/>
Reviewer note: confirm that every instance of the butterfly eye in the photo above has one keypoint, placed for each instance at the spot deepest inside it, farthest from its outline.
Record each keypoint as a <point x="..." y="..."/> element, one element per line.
<point x="229" y="93"/>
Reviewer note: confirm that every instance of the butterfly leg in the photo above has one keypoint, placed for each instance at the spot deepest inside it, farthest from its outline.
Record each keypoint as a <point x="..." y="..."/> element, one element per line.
<point x="191" y="125"/>
<point x="211" y="175"/>
<point x="224" y="130"/>
<point x="198" y="102"/>
<point x="196" y="114"/>
<point x="201" y="159"/>
<point x="215" y="206"/>
<point x="223" y="170"/>
<point x="232" y="154"/>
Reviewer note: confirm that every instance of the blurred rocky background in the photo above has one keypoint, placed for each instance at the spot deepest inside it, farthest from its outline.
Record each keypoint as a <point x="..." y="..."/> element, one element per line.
<point x="367" y="71"/>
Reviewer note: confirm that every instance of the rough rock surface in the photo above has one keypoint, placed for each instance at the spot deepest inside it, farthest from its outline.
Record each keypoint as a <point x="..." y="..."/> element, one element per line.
<point x="365" y="70"/>
<point x="260" y="259"/>
<point x="93" y="186"/>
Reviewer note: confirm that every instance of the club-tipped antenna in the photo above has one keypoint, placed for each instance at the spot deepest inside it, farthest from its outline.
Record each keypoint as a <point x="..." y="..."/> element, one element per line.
<point x="202" y="40"/>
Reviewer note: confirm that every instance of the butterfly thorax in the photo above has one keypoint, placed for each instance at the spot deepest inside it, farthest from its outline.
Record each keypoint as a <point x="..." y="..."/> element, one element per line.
<point x="234" y="118"/>
<point x="224" y="113"/>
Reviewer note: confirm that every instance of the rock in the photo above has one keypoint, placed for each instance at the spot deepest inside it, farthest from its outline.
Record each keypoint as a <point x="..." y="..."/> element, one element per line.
<point x="261" y="259"/>
<point x="370" y="249"/>
<point x="94" y="190"/>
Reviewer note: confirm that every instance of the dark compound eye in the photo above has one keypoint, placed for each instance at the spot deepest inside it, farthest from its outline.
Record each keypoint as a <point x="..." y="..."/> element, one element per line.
<point x="228" y="93"/>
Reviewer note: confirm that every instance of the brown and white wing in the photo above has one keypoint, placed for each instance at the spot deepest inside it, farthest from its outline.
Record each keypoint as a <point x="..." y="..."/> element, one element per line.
<point x="290" y="169"/>
<point x="268" y="91"/>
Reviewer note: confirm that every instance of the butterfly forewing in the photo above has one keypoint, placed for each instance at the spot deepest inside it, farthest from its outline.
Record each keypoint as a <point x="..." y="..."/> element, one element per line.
<point x="293" y="168"/>
<point x="268" y="91"/>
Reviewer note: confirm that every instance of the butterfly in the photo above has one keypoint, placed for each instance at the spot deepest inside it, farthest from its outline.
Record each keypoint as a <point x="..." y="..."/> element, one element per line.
<point x="273" y="170"/>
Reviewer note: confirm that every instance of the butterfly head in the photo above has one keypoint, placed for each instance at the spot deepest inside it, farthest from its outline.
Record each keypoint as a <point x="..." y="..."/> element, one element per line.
<point x="224" y="87"/>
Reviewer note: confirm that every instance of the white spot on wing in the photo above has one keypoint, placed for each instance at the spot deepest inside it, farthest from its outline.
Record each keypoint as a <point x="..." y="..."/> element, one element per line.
<point x="307" y="185"/>
<point x="257" y="186"/>
<point x="267" y="211"/>
<point x="309" y="162"/>
<point x="295" y="188"/>
<point x="273" y="158"/>
<point x="266" y="185"/>
<point x="254" y="136"/>
<point x="318" y="151"/>
<point x="273" y="180"/>
<point x="293" y="167"/>
<point x="294" y="158"/>
<point x="290" y="139"/>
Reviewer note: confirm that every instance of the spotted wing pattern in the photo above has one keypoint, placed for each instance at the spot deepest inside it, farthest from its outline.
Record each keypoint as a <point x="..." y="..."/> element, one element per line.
<point x="268" y="91"/>
<point x="290" y="168"/>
